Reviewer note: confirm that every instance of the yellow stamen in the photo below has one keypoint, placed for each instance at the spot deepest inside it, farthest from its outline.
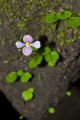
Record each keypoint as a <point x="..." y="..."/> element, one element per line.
<point x="27" y="43"/>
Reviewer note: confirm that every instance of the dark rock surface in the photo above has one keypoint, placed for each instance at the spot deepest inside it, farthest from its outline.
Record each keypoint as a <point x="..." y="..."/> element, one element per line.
<point x="68" y="109"/>
<point x="25" y="17"/>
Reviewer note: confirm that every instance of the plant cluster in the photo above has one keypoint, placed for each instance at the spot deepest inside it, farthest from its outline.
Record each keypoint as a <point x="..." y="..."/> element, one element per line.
<point x="72" y="19"/>
<point x="24" y="77"/>
<point x="48" y="55"/>
<point x="51" y="57"/>
<point x="28" y="94"/>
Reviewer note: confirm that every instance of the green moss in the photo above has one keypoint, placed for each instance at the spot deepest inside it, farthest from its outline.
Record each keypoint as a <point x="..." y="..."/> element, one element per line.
<point x="0" y="21"/>
<point x="21" y="25"/>
<point x="11" y="77"/>
<point x="25" y="77"/>
<point x="44" y="4"/>
<point x="28" y="94"/>
<point x="61" y="36"/>
<point x="78" y="14"/>
<point x="69" y="41"/>
<point x="15" y="1"/>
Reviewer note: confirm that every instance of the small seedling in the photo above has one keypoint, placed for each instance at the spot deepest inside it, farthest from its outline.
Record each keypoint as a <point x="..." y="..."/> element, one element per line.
<point x="25" y="77"/>
<point x="51" y="58"/>
<point x="11" y="77"/>
<point x="21" y="117"/>
<point x="51" y="110"/>
<point x="28" y="94"/>
<point x="68" y="93"/>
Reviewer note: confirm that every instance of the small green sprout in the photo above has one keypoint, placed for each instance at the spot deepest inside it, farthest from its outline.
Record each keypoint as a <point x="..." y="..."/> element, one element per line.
<point x="51" y="58"/>
<point x="11" y="77"/>
<point x="74" y="22"/>
<point x="25" y="77"/>
<point x="21" y="117"/>
<point x="51" y="110"/>
<point x="28" y="94"/>
<point x="35" y="61"/>
<point x="20" y="72"/>
<point x="68" y="93"/>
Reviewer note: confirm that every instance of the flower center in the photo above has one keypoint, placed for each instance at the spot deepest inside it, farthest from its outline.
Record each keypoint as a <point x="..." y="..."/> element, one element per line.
<point x="27" y="44"/>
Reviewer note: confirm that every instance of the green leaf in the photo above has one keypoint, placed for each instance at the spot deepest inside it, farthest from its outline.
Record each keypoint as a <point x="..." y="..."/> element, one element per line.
<point x="28" y="94"/>
<point x="46" y="50"/>
<point x="52" y="64"/>
<point x="25" y="77"/>
<point x="31" y="90"/>
<point x="55" y="55"/>
<point x="11" y="77"/>
<point x="47" y="57"/>
<point x="67" y="14"/>
<point x="74" y="22"/>
<point x="59" y="15"/>
<point x="64" y="15"/>
<point x="20" y="72"/>
<point x="50" y="18"/>
<point x="34" y="62"/>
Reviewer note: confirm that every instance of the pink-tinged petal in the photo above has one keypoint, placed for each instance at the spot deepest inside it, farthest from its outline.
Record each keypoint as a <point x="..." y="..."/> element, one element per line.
<point x="27" y="51"/>
<point x="19" y="44"/>
<point x="27" y="38"/>
<point x="36" y="44"/>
